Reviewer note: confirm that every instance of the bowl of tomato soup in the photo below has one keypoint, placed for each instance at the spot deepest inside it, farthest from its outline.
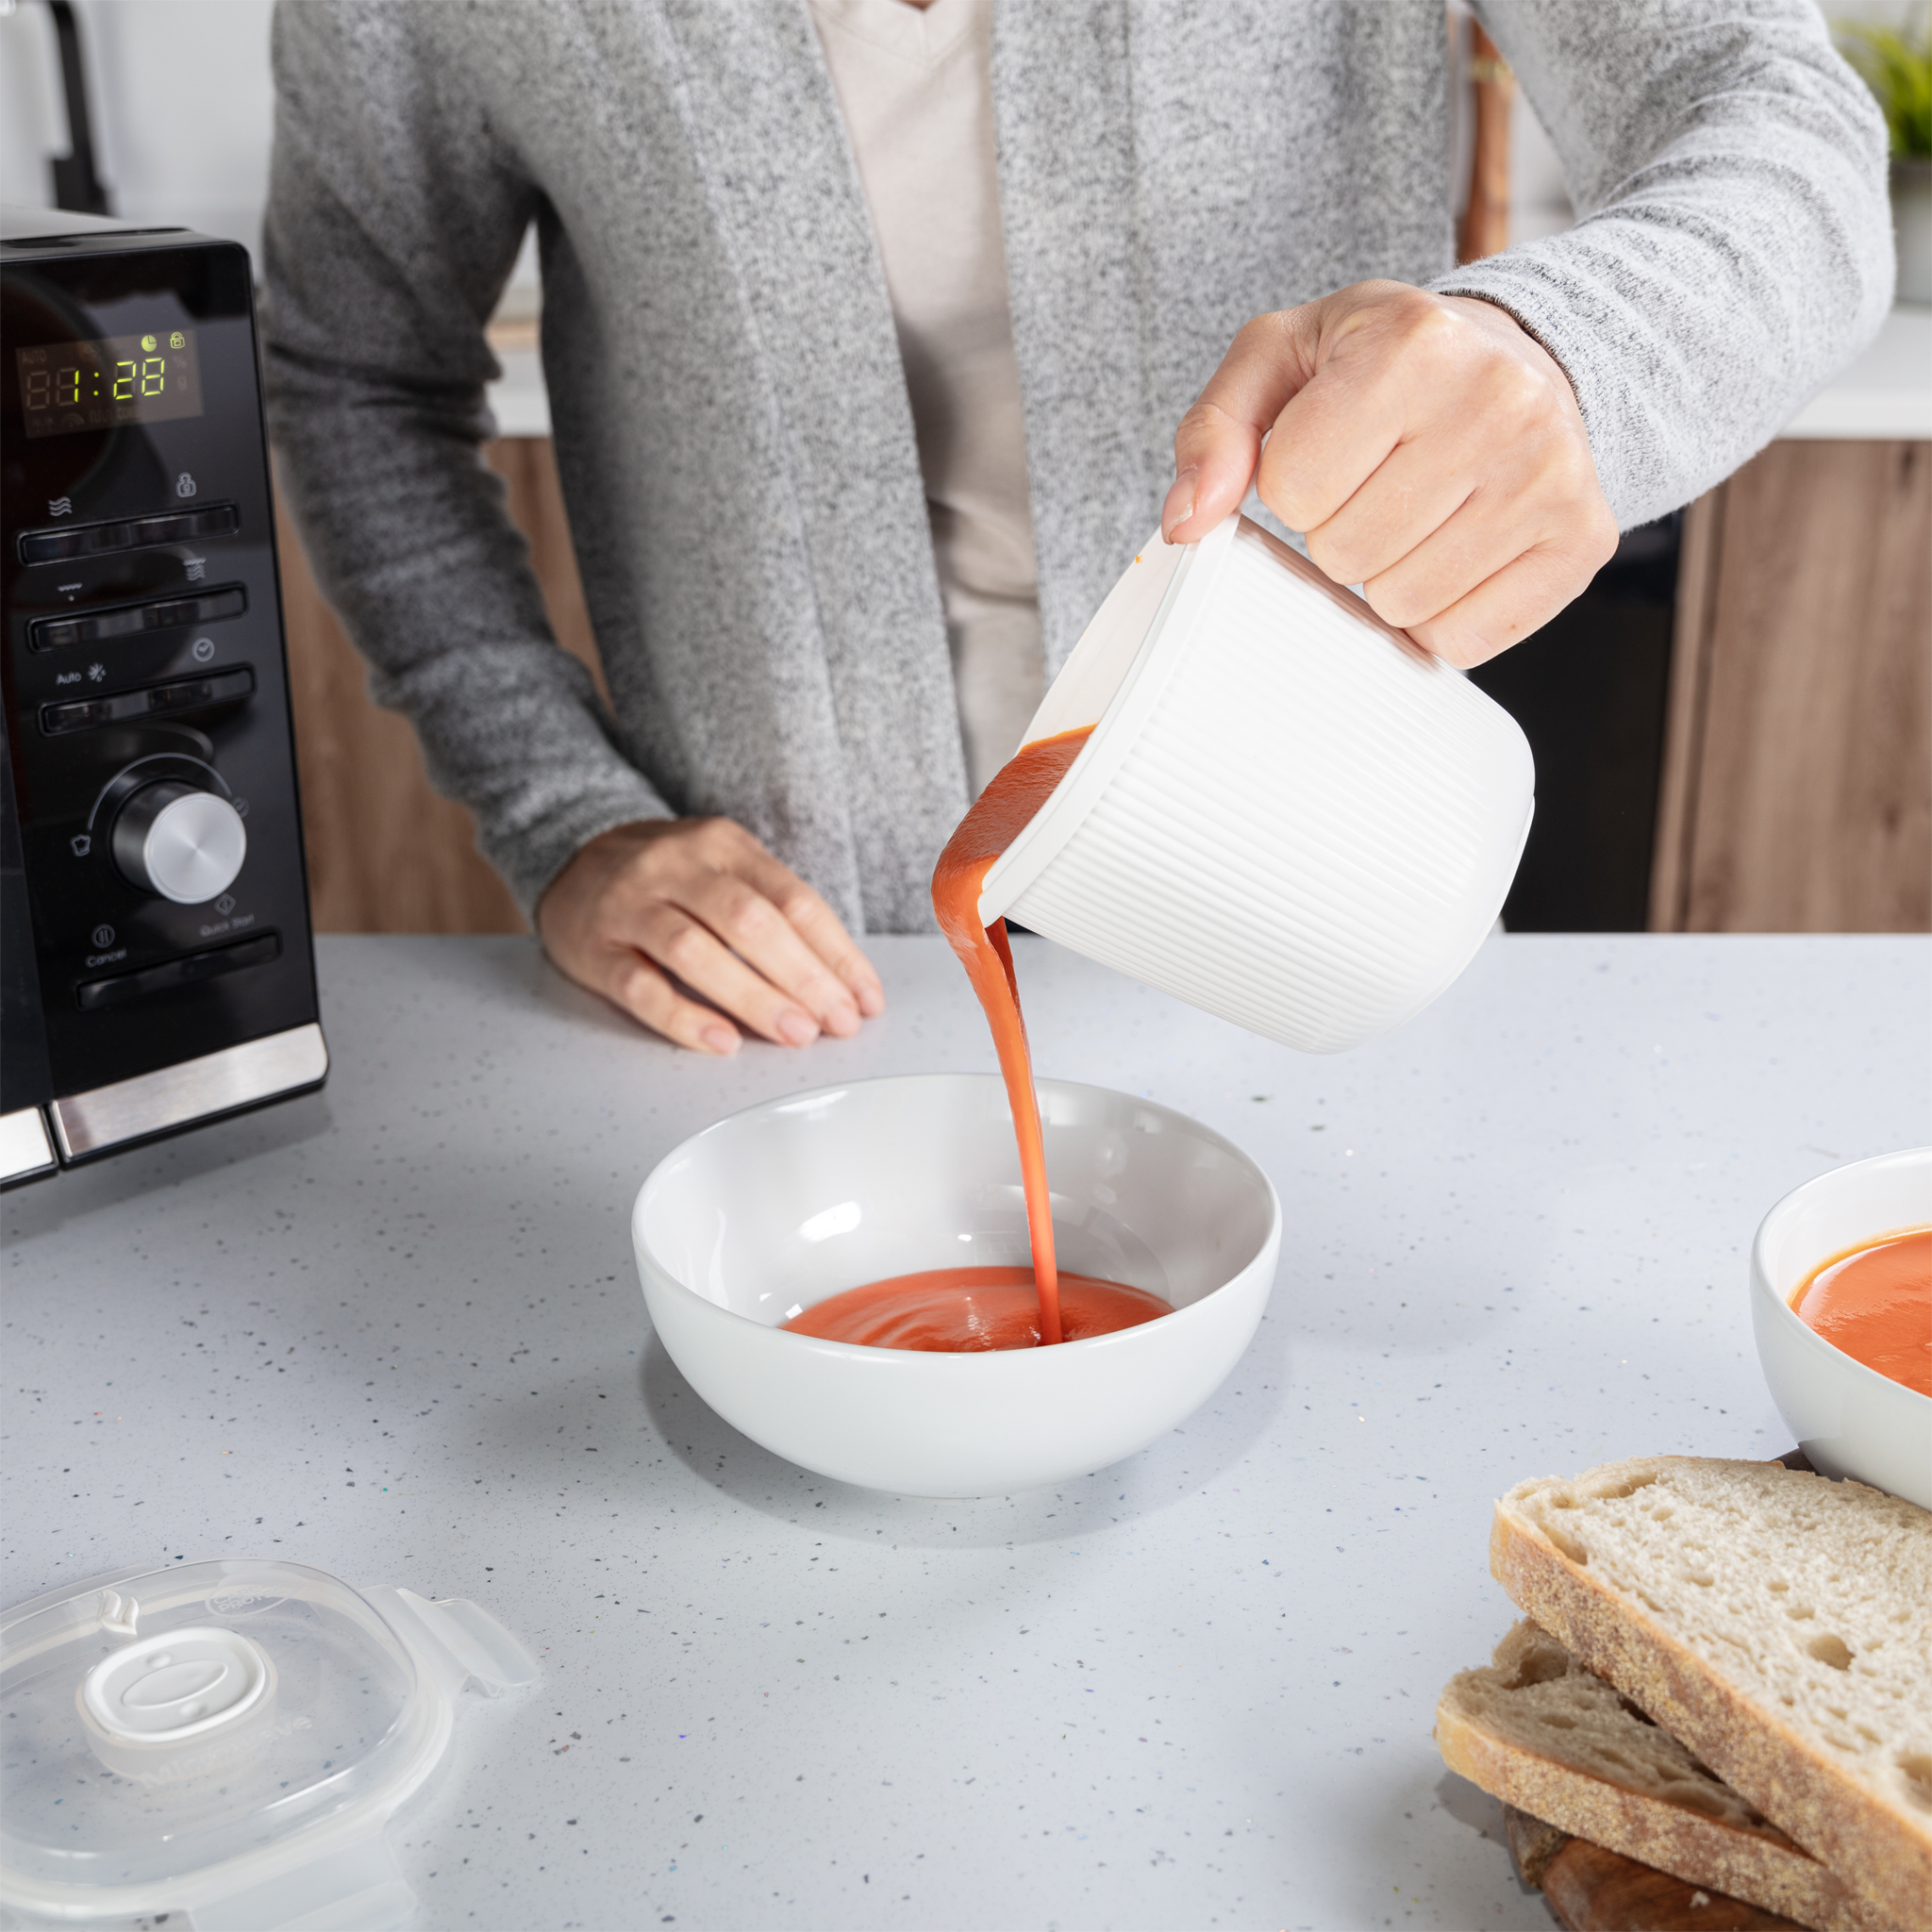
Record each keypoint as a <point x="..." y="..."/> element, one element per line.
<point x="845" y="1275"/>
<point x="1842" y="1303"/>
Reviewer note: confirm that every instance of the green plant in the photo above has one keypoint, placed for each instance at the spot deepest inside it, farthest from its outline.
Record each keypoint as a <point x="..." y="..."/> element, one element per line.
<point x="1897" y="67"/>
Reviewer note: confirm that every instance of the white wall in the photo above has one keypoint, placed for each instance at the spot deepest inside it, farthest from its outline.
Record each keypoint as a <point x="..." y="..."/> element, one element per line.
<point x="182" y="106"/>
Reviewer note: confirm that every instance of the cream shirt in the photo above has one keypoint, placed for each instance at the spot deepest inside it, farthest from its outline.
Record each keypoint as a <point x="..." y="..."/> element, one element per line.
<point x="914" y="89"/>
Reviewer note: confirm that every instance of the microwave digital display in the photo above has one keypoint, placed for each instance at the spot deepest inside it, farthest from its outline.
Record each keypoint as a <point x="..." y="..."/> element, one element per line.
<point x="67" y="386"/>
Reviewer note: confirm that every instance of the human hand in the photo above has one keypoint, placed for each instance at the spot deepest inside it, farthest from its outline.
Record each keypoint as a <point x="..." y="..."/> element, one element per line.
<point x="1427" y="447"/>
<point x="702" y="899"/>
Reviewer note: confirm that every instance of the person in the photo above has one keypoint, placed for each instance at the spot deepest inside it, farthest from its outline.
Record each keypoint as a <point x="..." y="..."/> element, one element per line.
<point x="867" y="328"/>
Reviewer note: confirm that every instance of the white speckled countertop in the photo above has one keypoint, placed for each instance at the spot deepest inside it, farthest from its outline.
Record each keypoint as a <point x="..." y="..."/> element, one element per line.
<point x="393" y="1330"/>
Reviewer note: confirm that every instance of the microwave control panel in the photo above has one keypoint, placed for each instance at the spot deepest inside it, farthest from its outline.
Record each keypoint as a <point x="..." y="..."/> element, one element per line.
<point x="150" y="750"/>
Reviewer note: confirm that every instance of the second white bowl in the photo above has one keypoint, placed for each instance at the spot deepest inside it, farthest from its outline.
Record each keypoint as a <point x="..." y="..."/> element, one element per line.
<point x="776" y="1207"/>
<point x="1849" y="1419"/>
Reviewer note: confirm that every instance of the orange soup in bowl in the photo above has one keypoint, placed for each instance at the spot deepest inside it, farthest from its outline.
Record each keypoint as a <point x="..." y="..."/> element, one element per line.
<point x="1874" y="1302"/>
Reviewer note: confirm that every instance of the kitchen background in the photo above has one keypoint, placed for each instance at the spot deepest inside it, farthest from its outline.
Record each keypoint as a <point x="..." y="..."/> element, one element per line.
<point x="1733" y="727"/>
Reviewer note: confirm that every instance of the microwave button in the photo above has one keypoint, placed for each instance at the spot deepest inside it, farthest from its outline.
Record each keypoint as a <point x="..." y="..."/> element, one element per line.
<point x="194" y="693"/>
<point x="177" y="610"/>
<point x="49" y="635"/>
<point x="83" y="715"/>
<point x="128" y="533"/>
<point x="178" y="526"/>
<point x="102" y="626"/>
<point x="59" y="546"/>
<point x="183" y="694"/>
<point x="93" y="994"/>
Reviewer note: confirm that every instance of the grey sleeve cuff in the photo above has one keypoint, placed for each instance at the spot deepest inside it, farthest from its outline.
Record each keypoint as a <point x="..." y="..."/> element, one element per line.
<point x="530" y="864"/>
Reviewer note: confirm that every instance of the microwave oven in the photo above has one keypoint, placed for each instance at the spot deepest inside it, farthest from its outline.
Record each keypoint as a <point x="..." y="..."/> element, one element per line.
<point x="159" y="968"/>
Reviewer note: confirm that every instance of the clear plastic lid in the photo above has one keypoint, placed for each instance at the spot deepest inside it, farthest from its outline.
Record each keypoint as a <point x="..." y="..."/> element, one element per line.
<point x="227" y="1740"/>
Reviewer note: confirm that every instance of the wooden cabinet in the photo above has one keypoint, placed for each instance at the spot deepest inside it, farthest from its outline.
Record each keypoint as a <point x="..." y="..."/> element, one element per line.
<point x="1797" y="786"/>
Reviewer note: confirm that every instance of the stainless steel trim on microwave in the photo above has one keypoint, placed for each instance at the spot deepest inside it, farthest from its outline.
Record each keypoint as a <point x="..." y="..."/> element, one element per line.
<point x="23" y="1145"/>
<point x="216" y="1083"/>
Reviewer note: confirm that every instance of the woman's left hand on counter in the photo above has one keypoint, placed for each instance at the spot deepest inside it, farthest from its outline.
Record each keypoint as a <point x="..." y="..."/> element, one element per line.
<point x="648" y="914"/>
<point x="1429" y="449"/>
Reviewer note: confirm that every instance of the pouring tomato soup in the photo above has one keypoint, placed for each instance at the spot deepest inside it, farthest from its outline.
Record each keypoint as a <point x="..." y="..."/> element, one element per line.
<point x="980" y="1308"/>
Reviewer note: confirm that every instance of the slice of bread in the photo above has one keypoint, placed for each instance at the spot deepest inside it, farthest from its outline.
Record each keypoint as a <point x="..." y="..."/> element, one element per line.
<point x="1777" y="1623"/>
<point x="1544" y="1735"/>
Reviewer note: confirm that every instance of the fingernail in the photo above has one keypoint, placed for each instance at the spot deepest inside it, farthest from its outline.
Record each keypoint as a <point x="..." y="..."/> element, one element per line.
<point x="1179" y="506"/>
<point x="841" y="1021"/>
<point x="797" y="1030"/>
<point x="719" y="1039"/>
<point x="871" y="1001"/>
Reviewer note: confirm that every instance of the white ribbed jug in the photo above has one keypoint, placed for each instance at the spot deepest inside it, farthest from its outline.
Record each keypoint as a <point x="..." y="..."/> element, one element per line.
<point x="1288" y="813"/>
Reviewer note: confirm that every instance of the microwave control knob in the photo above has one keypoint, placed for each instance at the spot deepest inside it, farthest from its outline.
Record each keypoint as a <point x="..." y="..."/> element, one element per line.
<point x="178" y="841"/>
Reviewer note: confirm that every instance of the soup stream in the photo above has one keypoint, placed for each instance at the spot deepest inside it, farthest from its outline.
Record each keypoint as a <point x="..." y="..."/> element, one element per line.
<point x="988" y="1307"/>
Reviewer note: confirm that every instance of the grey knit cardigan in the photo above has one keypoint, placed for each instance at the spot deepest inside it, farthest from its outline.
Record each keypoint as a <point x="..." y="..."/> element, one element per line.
<point x="730" y="415"/>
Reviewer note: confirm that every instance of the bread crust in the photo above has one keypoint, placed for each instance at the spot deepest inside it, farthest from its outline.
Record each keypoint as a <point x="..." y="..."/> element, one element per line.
<point x="1591" y="1889"/>
<point x="1743" y="1864"/>
<point x="1885" y="1855"/>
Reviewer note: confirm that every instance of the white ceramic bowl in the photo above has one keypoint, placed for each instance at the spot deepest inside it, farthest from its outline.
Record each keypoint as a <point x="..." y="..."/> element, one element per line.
<point x="779" y="1207"/>
<point x="1849" y="1419"/>
<point x="1288" y="813"/>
